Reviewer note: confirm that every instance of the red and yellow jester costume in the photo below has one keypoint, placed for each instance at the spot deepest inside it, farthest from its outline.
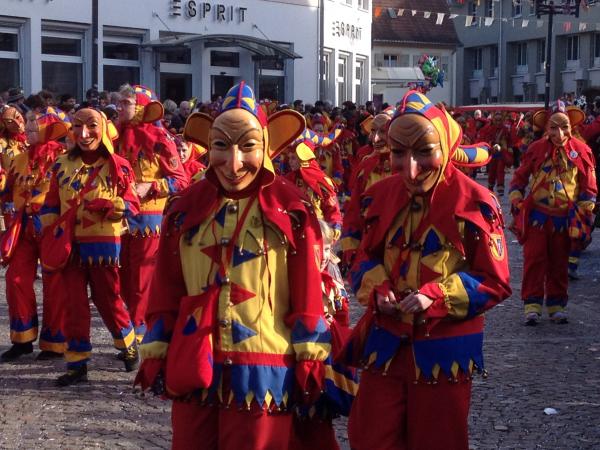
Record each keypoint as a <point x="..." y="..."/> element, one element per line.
<point x="497" y="135"/>
<point x="432" y="260"/>
<point x="98" y="184"/>
<point x="558" y="171"/>
<point x="306" y="174"/>
<point x="26" y="188"/>
<point x="158" y="173"/>
<point x="245" y="241"/>
<point x="13" y="141"/>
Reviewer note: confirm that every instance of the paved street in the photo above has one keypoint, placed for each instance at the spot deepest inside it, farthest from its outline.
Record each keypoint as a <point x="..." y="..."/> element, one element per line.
<point x="549" y="366"/>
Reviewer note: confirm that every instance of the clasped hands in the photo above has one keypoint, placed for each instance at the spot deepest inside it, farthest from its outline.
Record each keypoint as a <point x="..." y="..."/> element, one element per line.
<point x="413" y="303"/>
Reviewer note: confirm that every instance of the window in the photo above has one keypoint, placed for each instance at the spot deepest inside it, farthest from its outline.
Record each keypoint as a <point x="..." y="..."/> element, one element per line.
<point x="363" y="4"/>
<point x="342" y="79"/>
<point x="176" y="55"/>
<point x="572" y="48"/>
<point x="445" y="66"/>
<point x="541" y="55"/>
<point x="404" y="61"/>
<point x="477" y="59"/>
<point x="472" y="11"/>
<point x="390" y="60"/>
<point x="272" y="87"/>
<point x="494" y="57"/>
<point x="62" y="62"/>
<point x="516" y="8"/>
<point x="359" y="80"/>
<point x="9" y="59"/>
<point x="325" y="67"/>
<point x="521" y="54"/>
<point x="597" y="45"/>
<point x="121" y="61"/>
<point x="224" y="59"/>
<point x="489" y="8"/>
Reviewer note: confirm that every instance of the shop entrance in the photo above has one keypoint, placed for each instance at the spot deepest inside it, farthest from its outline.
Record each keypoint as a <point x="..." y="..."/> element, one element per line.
<point x="176" y="86"/>
<point x="220" y="84"/>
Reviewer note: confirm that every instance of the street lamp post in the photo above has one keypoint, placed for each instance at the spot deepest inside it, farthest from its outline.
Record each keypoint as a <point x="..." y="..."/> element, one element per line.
<point x="547" y="7"/>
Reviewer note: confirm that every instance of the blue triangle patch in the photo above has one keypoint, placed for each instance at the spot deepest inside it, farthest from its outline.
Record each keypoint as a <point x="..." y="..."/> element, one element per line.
<point x="190" y="326"/>
<point x="220" y="216"/>
<point x="432" y="243"/>
<point x="241" y="256"/>
<point x="239" y="332"/>
<point x="76" y="185"/>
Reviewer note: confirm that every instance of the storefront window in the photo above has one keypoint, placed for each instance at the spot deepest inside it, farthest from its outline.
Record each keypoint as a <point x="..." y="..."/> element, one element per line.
<point x="9" y="59"/>
<point x="9" y="42"/>
<point x="272" y="87"/>
<point x="224" y="59"/>
<point x="61" y="77"/>
<point x="9" y="75"/>
<point x="61" y="46"/>
<point x="182" y="55"/>
<point x="176" y="86"/>
<point x="116" y="76"/>
<point x="119" y="50"/>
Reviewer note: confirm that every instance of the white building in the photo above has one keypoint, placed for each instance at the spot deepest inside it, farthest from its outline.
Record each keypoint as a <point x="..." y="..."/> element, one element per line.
<point x="189" y="48"/>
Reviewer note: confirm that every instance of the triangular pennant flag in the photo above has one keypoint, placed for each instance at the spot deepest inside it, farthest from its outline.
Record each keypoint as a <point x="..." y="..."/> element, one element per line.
<point x="400" y="12"/>
<point x="567" y="27"/>
<point x="377" y="11"/>
<point x="525" y="23"/>
<point x="540" y="23"/>
<point x="413" y="12"/>
<point x="440" y="18"/>
<point x="468" y="21"/>
<point x="488" y="21"/>
<point x="582" y="26"/>
<point x="392" y="13"/>
<point x="453" y="16"/>
<point x="426" y="14"/>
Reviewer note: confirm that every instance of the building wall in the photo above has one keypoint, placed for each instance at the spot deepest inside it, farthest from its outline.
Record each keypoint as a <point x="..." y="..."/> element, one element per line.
<point x="292" y="23"/>
<point x="408" y="56"/>
<point x="524" y="82"/>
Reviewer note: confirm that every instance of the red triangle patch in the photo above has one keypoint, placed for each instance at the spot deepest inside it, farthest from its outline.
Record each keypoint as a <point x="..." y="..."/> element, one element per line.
<point x="427" y="275"/>
<point x="213" y="252"/>
<point x="85" y="222"/>
<point x="239" y="295"/>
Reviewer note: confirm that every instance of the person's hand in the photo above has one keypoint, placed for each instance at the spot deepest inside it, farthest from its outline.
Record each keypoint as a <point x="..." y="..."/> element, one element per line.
<point x="415" y="303"/>
<point x="142" y="189"/>
<point x="386" y="303"/>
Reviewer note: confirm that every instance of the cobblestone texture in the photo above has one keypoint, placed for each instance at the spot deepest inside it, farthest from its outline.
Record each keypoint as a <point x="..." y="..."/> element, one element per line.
<point x="531" y="368"/>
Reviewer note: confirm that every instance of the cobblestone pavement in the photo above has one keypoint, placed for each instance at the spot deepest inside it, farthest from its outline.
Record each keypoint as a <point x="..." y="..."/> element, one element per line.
<point x="531" y="368"/>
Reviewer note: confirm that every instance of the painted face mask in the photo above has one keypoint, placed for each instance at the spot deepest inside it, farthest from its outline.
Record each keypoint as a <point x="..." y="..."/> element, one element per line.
<point x="13" y="120"/>
<point x="378" y="132"/>
<point x="559" y="129"/>
<point x="416" y="152"/>
<point x="32" y="129"/>
<point x="87" y="129"/>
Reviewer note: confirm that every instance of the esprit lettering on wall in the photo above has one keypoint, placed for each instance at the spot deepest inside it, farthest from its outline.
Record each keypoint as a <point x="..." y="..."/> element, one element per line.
<point x="346" y="30"/>
<point x="216" y="12"/>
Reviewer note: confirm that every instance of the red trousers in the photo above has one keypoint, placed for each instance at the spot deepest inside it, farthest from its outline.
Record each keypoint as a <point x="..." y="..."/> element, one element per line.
<point x="104" y="284"/>
<point x="312" y="434"/>
<point x="138" y="259"/>
<point x="545" y="268"/>
<point x="202" y="427"/>
<point x="392" y="412"/>
<point x="495" y="170"/>
<point x="22" y="307"/>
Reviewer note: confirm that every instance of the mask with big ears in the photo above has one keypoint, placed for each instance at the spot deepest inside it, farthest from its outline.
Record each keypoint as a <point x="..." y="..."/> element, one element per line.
<point x="558" y="122"/>
<point x="241" y="140"/>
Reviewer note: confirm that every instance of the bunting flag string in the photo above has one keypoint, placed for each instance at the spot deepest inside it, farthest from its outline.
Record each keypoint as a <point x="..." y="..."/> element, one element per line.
<point x="474" y="21"/>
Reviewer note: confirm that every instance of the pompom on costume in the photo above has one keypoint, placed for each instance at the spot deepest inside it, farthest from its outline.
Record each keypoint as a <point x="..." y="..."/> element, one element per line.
<point x="553" y="194"/>
<point x="97" y="186"/>
<point x="447" y="245"/>
<point x="236" y="316"/>
<point x="152" y="153"/>
<point x="26" y="189"/>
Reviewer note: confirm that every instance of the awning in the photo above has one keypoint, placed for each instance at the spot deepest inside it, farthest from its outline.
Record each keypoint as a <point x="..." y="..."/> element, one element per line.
<point x="256" y="46"/>
<point x="396" y="74"/>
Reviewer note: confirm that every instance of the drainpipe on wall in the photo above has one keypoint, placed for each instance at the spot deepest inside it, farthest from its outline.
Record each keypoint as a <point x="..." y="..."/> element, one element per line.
<point x="95" y="67"/>
<point x="321" y="41"/>
<point x="501" y="97"/>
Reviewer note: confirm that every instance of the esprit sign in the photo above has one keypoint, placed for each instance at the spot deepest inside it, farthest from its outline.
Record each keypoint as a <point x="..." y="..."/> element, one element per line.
<point x="342" y="29"/>
<point x="217" y="12"/>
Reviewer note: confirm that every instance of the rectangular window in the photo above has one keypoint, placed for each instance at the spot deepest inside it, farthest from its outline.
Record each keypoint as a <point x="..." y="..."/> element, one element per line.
<point x="597" y="45"/>
<point x="341" y="80"/>
<point x="472" y="11"/>
<point x="61" y="46"/>
<point x="176" y="55"/>
<point x="272" y="87"/>
<point x="224" y="59"/>
<point x="119" y="50"/>
<point x="521" y="54"/>
<point x="477" y="59"/>
<point x="9" y="42"/>
<point x="390" y="60"/>
<point x="541" y="55"/>
<point x="325" y="66"/>
<point x="363" y="4"/>
<point x="9" y="75"/>
<point x="494" y="57"/>
<point x="359" y="79"/>
<point x="572" y="48"/>
<point x="272" y="64"/>
<point x="61" y="77"/>
<point x="516" y="8"/>
<point x="116" y="76"/>
<point x="9" y="58"/>
<point x="489" y="8"/>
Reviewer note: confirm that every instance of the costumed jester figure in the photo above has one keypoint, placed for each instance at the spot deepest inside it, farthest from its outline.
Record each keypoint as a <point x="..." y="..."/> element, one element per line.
<point x="558" y="173"/>
<point x="236" y="330"/>
<point x="91" y="193"/>
<point x="373" y="167"/>
<point x="431" y="261"/>
<point x="158" y="170"/>
<point x="326" y="149"/>
<point x="306" y="174"/>
<point x="26" y="189"/>
<point x="497" y="135"/>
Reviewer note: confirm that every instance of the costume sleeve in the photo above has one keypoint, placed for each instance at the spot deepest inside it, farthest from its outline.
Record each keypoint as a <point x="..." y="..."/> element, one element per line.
<point x="591" y="132"/>
<point x="331" y="210"/>
<point x="482" y="284"/>
<point x="581" y="217"/>
<point x="310" y="333"/>
<point x="50" y="210"/>
<point x="174" y="177"/>
<point x="520" y="179"/>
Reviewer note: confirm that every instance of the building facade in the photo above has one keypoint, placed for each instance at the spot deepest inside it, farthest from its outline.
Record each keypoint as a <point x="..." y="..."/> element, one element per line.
<point x="517" y="46"/>
<point x="286" y="49"/>
<point x="399" y="41"/>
